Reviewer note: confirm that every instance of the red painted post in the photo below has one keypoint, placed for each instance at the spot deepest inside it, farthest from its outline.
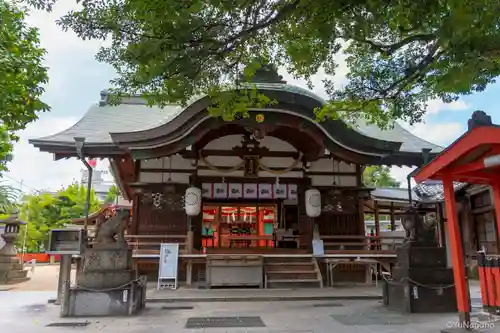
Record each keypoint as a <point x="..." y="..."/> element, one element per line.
<point x="461" y="287"/>
<point x="496" y="202"/>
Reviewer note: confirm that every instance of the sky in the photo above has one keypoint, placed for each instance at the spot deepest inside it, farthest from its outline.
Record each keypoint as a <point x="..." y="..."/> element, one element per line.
<point x="76" y="80"/>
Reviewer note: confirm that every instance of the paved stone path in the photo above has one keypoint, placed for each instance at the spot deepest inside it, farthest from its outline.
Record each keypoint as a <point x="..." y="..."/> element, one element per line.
<point x="28" y="312"/>
<point x="25" y="311"/>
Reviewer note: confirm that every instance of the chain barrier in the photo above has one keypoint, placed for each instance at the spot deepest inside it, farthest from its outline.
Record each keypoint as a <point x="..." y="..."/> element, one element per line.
<point x="139" y="279"/>
<point x="400" y="283"/>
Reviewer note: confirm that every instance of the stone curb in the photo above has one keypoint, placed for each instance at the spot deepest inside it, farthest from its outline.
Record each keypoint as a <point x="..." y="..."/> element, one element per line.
<point x="261" y="299"/>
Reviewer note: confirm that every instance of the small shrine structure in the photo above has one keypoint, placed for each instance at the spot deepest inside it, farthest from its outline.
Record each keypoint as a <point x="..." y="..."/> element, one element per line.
<point x="472" y="158"/>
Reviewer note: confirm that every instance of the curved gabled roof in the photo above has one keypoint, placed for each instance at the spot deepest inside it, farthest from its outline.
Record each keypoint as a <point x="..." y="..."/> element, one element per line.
<point x="108" y="126"/>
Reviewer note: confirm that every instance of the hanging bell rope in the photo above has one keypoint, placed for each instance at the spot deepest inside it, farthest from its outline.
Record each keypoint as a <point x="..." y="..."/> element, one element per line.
<point x="242" y="164"/>
<point x="282" y="171"/>
<point x="219" y="169"/>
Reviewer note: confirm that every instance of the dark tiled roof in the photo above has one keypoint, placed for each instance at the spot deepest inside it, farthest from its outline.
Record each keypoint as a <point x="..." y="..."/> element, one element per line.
<point x="432" y="190"/>
<point x="134" y="115"/>
<point x="425" y="192"/>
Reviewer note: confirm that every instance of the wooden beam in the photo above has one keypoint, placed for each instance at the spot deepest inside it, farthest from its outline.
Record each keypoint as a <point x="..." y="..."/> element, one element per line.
<point x="217" y="152"/>
<point x="202" y="167"/>
<point x="472" y="139"/>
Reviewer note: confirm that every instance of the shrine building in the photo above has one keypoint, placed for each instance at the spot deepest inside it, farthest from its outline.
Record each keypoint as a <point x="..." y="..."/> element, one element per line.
<point x="268" y="184"/>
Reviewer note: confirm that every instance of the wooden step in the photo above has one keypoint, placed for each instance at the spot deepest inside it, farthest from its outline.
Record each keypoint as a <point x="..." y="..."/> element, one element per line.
<point x="269" y="260"/>
<point x="293" y="283"/>
<point x="287" y="266"/>
<point x="292" y="275"/>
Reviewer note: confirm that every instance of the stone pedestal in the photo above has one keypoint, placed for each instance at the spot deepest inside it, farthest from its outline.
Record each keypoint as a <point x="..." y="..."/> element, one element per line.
<point x="11" y="270"/>
<point x="106" y="285"/>
<point x="421" y="281"/>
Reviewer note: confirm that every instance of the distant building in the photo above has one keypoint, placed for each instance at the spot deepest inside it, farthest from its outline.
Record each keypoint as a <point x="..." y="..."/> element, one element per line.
<point x="102" y="180"/>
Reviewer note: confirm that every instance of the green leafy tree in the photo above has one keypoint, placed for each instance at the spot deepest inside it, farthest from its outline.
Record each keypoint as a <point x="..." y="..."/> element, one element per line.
<point x="379" y="176"/>
<point x="112" y="195"/>
<point x="399" y="53"/>
<point x="22" y="76"/>
<point x="8" y="199"/>
<point x="46" y="211"/>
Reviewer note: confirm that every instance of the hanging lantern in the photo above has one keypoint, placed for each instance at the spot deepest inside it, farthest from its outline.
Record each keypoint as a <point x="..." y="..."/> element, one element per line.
<point x="192" y="201"/>
<point x="313" y="202"/>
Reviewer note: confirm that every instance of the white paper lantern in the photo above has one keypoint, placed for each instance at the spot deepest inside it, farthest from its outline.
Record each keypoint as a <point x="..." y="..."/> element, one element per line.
<point x="313" y="202"/>
<point x="192" y="201"/>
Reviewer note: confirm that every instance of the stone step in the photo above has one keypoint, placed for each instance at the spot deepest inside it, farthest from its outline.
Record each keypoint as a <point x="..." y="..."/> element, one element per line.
<point x="295" y="275"/>
<point x="17" y="280"/>
<point x="16" y="274"/>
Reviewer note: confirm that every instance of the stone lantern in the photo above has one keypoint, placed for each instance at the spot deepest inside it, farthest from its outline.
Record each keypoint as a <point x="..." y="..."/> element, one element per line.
<point x="11" y="268"/>
<point x="11" y="231"/>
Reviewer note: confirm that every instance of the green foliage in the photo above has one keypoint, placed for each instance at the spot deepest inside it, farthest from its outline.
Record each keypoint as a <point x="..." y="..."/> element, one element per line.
<point x="379" y="176"/>
<point x="46" y="211"/>
<point x="8" y="199"/>
<point x="112" y="195"/>
<point x="400" y="53"/>
<point x="22" y="76"/>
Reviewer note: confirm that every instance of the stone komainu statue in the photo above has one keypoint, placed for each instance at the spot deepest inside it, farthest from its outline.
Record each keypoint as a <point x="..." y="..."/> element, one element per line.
<point x="115" y="226"/>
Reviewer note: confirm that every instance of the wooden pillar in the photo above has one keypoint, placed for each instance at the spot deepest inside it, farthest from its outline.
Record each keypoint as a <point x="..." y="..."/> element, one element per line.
<point x="134" y="227"/>
<point x="393" y="218"/>
<point x="461" y="287"/>
<point x="495" y="189"/>
<point x="441" y="230"/>
<point x="377" y="226"/>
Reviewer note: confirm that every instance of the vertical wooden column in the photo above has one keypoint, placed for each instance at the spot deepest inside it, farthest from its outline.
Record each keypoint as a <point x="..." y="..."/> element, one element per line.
<point x="361" y="201"/>
<point x="457" y="256"/>
<point x="441" y="230"/>
<point x="134" y="226"/>
<point x="393" y="218"/>
<point x="377" y="226"/>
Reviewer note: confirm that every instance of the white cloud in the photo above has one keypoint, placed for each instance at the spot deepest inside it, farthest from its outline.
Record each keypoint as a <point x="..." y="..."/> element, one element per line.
<point x="38" y="170"/>
<point x="75" y="81"/>
<point x="435" y="106"/>
<point x="441" y="134"/>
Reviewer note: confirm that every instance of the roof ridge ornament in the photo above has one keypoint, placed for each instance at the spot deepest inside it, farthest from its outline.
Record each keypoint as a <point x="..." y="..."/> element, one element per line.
<point x="479" y="118"/>
<point x="266" y="73"/>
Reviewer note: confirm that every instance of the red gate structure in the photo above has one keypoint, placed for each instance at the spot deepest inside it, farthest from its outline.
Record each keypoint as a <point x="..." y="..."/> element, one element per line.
<point x="489" y="277"/>
<point x="472" y="158"/>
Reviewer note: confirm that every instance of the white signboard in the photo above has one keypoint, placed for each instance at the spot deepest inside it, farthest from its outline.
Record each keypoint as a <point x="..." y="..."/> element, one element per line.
<point x="167" y="269"/>
<point x="265" y="191"/>
<point x="318" y="248"/>
<point x="235" y="191"/>
<point x="220" y="190"/>
<point x="249" y="191"/>
<point x="207" y="190"/>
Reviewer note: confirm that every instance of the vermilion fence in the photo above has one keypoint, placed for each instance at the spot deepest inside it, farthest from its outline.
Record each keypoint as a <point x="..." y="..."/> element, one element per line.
<point x="39" y="257"/>
<point x="489" y="278"/>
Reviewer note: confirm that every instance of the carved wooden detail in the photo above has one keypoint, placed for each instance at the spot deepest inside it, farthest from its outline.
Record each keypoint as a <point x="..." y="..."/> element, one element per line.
<point x="161" y="210"/>
<point x="340" y="201"/>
